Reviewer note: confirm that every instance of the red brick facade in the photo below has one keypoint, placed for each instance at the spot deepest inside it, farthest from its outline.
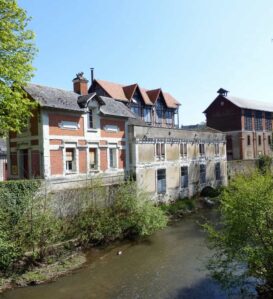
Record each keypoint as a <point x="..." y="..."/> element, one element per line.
<point x="59" y="135"/>
<point x="103" y="159"/>
<point x="82" y="160"/>
<point x="54" y="124"/>
<point x="56" y="162"/>
<point x="113" y="122"/>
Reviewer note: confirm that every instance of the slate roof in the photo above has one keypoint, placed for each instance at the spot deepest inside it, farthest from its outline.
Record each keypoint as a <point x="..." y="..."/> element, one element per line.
<point x="114" y="108"/>
<point x="53" y="97"/>
<point x="250" y="104"/>
<point x="68" y="100"/>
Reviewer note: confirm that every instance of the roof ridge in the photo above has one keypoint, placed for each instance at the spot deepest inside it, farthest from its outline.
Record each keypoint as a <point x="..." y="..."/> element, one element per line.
<point x="58" y="88"/>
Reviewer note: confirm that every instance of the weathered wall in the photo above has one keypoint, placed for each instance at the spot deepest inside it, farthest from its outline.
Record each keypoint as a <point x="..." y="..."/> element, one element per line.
<point x="240" y="167"/>
<point x="145" y="163"/>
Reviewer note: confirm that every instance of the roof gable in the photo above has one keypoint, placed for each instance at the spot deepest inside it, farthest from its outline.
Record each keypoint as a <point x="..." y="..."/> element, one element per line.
<point x="153" y="94"/>
<point x="129" y="90"/>
<point x="125" y="93"/>
<point x="114" y="90"/>
<point x="170" y="101"/>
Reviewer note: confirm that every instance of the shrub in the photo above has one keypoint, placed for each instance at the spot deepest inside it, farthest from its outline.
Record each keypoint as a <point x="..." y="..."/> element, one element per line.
<point x="243" y="243"/>
<point x="131" y="214"/>
<point x="265" y="164"/>
<point x="178" y="207"/>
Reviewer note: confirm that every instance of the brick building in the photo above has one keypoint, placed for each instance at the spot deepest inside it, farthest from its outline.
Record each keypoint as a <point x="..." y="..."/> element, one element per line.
<point x="70" y="135"/>
<point x="247" y="124"/>
<point x="112" y="129"/>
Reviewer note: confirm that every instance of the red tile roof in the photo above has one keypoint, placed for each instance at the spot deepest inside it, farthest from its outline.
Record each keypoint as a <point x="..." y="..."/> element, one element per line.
<point x="125" y="93"/>
<point x="114" y="90"/>
<point x="153" y="94"/>
<point x="171" y="102"/>
<point x="129" y="90"/>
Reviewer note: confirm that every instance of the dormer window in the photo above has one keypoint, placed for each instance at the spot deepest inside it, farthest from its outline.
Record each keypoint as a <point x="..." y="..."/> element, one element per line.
<point x="147" y="115"/>
<point x="169" y="117"/>
<point x="136" y="104"/>
<point x="160" y="108"/>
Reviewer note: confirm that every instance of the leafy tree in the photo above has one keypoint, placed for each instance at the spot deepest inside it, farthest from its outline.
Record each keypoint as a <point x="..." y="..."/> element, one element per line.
<point x="16" y="54"/>
<point x="243" y="241"/>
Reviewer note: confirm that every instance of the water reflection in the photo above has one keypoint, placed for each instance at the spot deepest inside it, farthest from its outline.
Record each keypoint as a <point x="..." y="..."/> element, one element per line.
<point x="167" y="265"/>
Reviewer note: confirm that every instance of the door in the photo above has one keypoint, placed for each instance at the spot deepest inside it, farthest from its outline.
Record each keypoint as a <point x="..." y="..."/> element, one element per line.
<point x="24" y="169"/>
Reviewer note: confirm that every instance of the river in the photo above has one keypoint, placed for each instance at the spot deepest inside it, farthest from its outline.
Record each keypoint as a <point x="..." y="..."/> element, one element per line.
<point x="169" y="264"/>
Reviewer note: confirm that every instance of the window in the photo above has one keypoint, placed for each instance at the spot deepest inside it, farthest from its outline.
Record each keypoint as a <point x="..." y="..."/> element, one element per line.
<point x="184" y="177"/>
<point x="93" y="159"/>
<point x="248" y="140"/>
<point x="169" y="117"/>
<point x="258" y="121"/>
<point x="268" y="121"/>
<point x="269" y="139"/>
<point x="217" y="171"/>
<point x="202" y="149"/>
<point x="216" y="149"/>
<point x="260" y="140"/>
<point x="70" y="160"/>
<point x="161" y="181"/>
<point x="159" y="109"/>
<point x="91" y="120"/>
<point x="248" y="120"/>
<point x="183" y="150"/>
<point x="136" y="109"/>
<point x="136" y="104"/>
<point x="160" y="151"/>
<point x="202" y="177"/>
<point x="147" y="115"/>
<point x="113" y="157"/>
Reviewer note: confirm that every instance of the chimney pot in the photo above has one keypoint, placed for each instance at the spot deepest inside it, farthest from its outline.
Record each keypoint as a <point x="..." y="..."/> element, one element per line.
<point x="80" y="84"/>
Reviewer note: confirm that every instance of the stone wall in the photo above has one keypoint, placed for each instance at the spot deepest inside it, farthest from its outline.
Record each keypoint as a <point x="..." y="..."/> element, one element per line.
<point x="240" y="167"/>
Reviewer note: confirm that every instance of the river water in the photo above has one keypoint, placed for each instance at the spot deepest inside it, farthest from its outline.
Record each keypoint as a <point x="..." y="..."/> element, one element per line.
<point x="169" y="264"/>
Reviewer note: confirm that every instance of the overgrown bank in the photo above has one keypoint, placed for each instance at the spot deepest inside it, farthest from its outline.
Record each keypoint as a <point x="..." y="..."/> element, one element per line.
<point x="31" y="222"/>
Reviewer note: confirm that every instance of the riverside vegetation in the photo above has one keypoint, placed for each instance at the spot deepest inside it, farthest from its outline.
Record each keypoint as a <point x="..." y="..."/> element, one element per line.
<point x="243" y="240"/>
<point x="36" y="231"/>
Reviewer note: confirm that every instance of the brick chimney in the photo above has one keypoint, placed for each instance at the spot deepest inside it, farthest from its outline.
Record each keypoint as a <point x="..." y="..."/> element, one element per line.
<point x="80" y="84"/>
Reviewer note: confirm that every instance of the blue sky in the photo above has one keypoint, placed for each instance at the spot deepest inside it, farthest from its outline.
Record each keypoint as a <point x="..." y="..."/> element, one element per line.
<point x="188" y="48"/>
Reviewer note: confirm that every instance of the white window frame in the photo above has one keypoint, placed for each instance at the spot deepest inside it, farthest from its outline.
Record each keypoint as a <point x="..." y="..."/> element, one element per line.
<point x="183" y="155"/>
<point x="73" y="171"/>
<point x="69" y="125"/>
<point x="160" y="156"/>
<point x="113" y="146"/>
<point x="187" y="166"/>
<point x="156" y="177"/>
<point x="96" y="147"/>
